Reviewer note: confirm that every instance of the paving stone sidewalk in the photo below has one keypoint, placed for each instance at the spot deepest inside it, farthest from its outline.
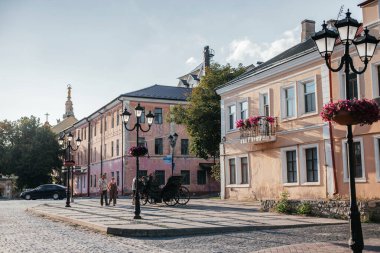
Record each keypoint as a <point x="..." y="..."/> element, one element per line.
<point x="199" y="216"/>
<point x="371" y="245"/>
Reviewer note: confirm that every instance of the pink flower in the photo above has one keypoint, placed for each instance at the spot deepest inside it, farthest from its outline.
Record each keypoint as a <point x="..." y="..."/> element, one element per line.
<point x="138" y="151"/>
<point x="270" y="119"/>
<point x="365" y="111"/>
<point x="240" y="123"/>
<point x="254" y="120"/>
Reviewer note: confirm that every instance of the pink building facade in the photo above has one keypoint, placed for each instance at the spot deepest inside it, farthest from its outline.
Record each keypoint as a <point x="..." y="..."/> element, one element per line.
<point x="105" y="144"/>
<point x="299" y="153"/>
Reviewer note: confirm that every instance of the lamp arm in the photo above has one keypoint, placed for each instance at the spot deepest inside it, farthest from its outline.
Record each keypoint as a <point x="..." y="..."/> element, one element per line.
<point x="340" y="65"/>
<point x="145" y="130"/>
<point x="74" y="149"/>
<point x="358" y="72"/>
<point x="125" y="125"/>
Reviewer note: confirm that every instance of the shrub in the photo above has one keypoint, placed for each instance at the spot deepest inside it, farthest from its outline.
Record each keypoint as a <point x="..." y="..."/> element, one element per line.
<point x="283" y="205"/>
<point x="304" y="208"/>
<point x="215" y="172"/>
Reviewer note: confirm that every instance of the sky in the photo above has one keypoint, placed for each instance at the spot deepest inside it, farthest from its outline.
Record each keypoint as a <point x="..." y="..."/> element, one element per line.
<point x="105" y="48"/>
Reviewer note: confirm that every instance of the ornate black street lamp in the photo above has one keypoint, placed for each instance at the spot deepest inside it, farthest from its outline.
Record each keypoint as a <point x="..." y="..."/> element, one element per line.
<point x="365" y="46"/>
<point x="126" y="115"/>
<point x="65" y="143"/>
<point x="173" y="141"/>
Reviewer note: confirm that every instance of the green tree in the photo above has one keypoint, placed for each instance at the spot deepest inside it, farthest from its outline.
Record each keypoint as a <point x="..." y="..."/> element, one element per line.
<point x="32" y="152"/>
<point x="202" y="115"/>
<point x="6" y="143"/>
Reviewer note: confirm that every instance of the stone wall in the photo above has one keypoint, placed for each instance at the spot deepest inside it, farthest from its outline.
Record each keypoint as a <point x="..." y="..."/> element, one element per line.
<point x="369" y="210"/>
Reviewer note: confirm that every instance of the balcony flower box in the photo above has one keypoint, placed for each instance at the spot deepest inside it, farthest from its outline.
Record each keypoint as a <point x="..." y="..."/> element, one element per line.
<point x="254" y="121"/>
<point x="257" y="129"/>
<point x="351" y="112"/>
<point x="138" y="151"/>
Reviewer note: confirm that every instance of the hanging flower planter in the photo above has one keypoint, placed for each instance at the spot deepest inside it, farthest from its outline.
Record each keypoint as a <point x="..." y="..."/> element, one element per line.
<point x="345" y="118"/>
<point x="138" y="151"/>
<point x="254" y="121"/>
<point x="351" y="112"/>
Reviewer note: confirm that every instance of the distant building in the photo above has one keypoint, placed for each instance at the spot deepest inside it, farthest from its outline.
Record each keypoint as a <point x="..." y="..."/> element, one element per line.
<point x="68" y="117"/>
<point x="105" y="144"/>
<point x="192" y="79"/>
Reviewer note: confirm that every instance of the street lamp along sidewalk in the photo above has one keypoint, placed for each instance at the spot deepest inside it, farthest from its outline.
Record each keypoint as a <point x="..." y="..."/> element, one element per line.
<point x="365" y="46"/>
<point x="65" y="143"/>
<point x="173" y="141"/>
<point x="125" y="116"/>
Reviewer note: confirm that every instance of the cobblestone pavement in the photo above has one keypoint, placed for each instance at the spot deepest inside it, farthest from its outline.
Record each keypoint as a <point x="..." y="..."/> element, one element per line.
<point x="24" y="232"/>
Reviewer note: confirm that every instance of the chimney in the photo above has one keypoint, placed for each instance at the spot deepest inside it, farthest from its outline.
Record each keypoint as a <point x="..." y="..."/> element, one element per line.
<point x="208" y="53"/>
<point x="331" y="23"/>
<point x="206" y="56"/>
<point x="308" y="29"/>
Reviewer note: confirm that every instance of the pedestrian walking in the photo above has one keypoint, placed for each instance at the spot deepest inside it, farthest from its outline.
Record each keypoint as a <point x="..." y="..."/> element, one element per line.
<point x="112" y="187"/>
<point x="103" y="189"/>
<point x="134" y="181"/>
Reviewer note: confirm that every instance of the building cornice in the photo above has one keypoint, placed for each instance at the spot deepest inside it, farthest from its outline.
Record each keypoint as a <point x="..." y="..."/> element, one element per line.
<point x="309" y="56"/>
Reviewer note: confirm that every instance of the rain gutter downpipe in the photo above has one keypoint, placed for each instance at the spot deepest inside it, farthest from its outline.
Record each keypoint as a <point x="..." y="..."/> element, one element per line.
<point x="332" y="138"/>
<point x="122" y="150"/>
<point x="101" y="143"/>
<point x="88" y="157"/>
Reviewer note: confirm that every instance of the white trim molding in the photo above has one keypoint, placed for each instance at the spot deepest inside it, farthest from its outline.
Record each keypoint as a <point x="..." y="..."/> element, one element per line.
<point x="362" y="179"/>
<point x="376" y="140"/>
<point x="284" y="166"/>
<point x="303" y="166"/>
<point x="375" y="79"/>
<point x="238" y="174"/>
<point x="301" y="97"/>
<point x="283" y="102"/>
<point x="228" y="126"/>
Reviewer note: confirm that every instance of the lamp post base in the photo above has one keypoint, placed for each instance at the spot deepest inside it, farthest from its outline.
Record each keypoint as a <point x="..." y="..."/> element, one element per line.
<point x="137" y="217"/>
<point x="67" y="205"/>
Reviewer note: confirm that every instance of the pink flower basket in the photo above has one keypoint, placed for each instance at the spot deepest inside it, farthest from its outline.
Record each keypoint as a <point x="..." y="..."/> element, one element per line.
<point x="138" y="151"/>
<point x="351" y="112"/>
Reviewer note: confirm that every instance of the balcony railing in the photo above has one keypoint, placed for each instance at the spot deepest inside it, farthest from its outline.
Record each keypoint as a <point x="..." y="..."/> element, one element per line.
<point x="263" y="130"/>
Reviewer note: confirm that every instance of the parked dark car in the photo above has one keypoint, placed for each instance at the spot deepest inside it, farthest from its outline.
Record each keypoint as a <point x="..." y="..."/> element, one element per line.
<point x="45" y="191"/>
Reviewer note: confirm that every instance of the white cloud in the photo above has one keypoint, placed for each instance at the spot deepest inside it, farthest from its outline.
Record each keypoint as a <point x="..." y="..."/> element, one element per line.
<point x="191" y="61"/>
<point x="247" y="51"/>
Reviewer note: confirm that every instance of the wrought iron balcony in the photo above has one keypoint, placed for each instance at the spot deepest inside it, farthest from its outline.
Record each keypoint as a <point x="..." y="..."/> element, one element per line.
<point x="259" y="129"/>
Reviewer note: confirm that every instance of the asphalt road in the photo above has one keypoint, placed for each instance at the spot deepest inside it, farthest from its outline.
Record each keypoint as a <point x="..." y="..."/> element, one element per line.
<point x="23" y="232"/>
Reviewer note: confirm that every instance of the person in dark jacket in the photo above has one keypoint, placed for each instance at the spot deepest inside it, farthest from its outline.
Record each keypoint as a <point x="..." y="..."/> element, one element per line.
<point x="112" y="187"/>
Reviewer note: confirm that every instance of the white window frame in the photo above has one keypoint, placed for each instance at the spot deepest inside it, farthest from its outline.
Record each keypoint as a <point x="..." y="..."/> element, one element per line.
<point x="376" y="139"/>
<point x="342" y="78"/>
<point x="344" y="156"/>
<point x="228" y="175"/>
<point x="228" y="117"/>
<point x="303" y="164"/>
<point x="375" y="80"/>
<point x="261" y="102"/>
<point x="301" y="95"/>
<point x="240" y="108"/>
<point x="237" y="171"/>
<point x="283" y="102"/>
<point x="284" y="166"/>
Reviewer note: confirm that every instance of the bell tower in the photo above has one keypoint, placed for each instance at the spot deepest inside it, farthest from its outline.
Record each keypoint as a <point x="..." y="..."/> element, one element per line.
<point x="69" y="104"/>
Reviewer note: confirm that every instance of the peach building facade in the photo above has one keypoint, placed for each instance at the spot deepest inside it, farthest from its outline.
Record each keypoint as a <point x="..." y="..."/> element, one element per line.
<point x="105" y="144"/>
<point x="298" y="153"/>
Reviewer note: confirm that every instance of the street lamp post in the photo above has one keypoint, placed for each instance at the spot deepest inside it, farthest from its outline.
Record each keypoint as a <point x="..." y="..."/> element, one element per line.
<point x="173" y="141"/>
<point x="69" y="162"/>
<point x="126" y="115"/>
<point x="365" y="46"/>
